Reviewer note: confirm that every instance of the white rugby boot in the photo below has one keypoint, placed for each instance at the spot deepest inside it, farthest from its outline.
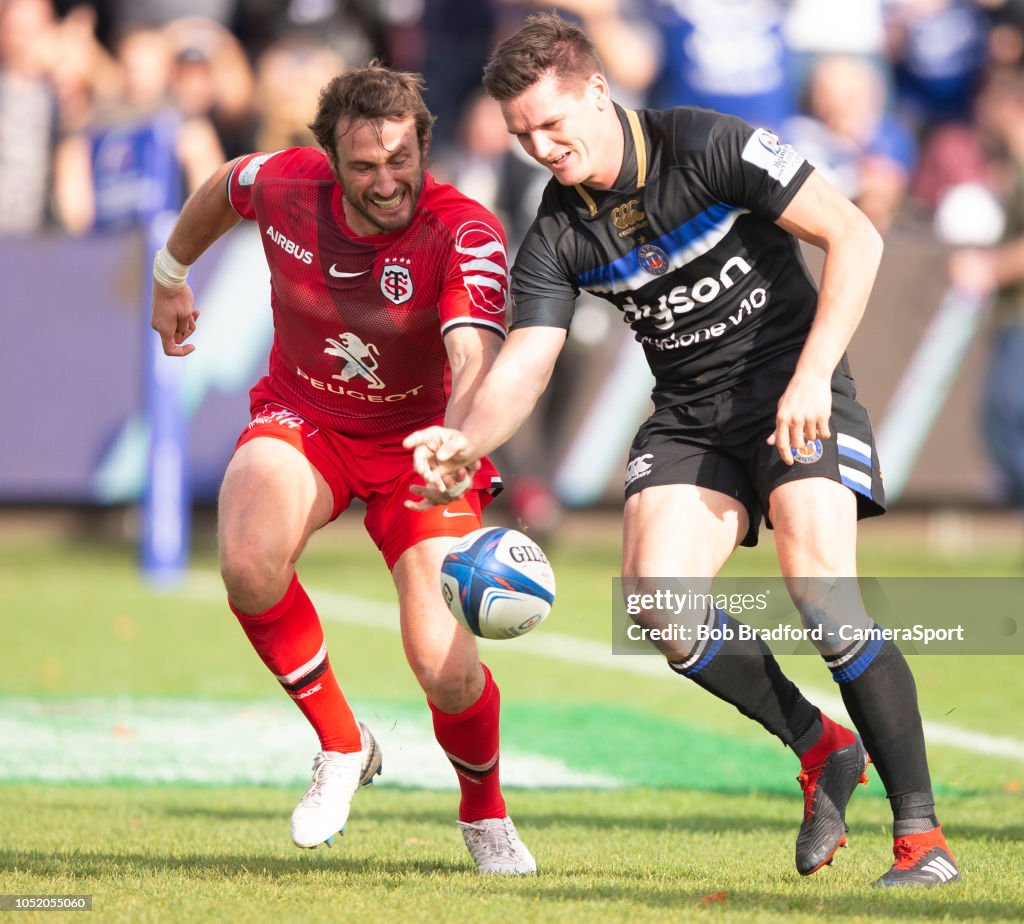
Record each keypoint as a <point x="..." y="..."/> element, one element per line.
<point x="373" y="757"/>
<point x="323" y="810"/>
<point x="495" y="847"/>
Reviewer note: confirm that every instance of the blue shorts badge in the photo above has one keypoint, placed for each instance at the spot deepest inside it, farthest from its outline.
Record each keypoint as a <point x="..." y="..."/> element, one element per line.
<point x="805" y="455"/>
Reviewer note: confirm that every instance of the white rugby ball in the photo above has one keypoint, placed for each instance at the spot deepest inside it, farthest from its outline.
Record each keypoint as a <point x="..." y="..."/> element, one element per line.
<point x="498" y="583"/>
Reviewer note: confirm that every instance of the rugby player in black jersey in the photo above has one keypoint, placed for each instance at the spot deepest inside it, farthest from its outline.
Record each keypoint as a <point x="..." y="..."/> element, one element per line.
<point x="687" y="220"/>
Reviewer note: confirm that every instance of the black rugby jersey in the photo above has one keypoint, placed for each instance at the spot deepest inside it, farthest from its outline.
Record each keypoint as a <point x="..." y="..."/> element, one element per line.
<point x="685" y="246"/>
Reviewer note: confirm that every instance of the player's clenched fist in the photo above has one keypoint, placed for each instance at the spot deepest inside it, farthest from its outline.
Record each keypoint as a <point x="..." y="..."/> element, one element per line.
<point x="174" y="311"/>
<point x="174" y="318"/>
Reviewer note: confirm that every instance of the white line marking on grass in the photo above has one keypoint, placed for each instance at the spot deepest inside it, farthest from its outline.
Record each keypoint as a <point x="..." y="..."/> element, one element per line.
<point x="374" y="614"/>
<point x="159" y="740"/>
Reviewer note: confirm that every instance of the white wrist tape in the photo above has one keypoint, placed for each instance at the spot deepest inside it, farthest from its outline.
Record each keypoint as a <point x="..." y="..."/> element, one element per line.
<point x="168" y="271"/>
<point x="457" y="490"/>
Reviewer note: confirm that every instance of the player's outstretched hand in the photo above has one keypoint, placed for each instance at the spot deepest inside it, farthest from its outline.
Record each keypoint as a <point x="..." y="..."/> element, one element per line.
<point x="455" y="485"/>
<point x="802" y="418"/>
<point x="438" y="451"/>
<point x="441" y="456"/>
<point x="174" y="318"/>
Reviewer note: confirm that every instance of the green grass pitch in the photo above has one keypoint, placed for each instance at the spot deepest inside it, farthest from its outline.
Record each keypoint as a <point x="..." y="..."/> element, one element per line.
<point x="699" y="824"/>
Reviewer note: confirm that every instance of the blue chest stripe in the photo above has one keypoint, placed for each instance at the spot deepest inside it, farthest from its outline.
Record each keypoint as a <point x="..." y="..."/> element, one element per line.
<point x="674" y="243"/>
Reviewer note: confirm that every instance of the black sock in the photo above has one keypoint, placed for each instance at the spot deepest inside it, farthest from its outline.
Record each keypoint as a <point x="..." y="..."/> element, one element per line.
<point x="913" y="813"/>
<point x="809" y="738"/>
<point x="879" y="693"/>
<point x="746" y="674"/>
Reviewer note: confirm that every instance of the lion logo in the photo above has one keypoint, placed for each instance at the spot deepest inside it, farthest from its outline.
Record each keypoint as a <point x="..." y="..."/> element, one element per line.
<point x="360" y="358"/>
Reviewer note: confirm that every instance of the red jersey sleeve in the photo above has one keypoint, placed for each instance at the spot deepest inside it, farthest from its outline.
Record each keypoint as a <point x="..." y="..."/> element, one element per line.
<point x="475" y="289"/>
<point x="251" y="169"/>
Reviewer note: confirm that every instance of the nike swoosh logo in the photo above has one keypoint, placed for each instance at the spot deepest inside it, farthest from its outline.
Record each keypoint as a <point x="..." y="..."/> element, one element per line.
<point x="447" y="513"/>
<point x="338" y="274"/>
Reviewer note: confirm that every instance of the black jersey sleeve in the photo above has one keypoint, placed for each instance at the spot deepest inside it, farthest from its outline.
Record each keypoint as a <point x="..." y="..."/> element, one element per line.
<point x="543" y="293"/>
<point x="751" y="168"/>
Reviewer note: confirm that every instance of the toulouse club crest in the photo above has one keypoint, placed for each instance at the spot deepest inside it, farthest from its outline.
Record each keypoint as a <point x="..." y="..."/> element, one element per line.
<point x="396" y="281"/>
<point x="653" y="259"/>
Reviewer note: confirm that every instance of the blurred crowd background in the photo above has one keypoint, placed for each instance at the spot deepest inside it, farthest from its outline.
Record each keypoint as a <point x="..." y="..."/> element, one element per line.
<point x="898" y="100"/>
<point x="913" y="108"/>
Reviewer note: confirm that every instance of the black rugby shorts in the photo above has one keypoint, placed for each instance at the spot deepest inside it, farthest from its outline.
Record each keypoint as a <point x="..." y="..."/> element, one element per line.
<point x="718" y="442"/>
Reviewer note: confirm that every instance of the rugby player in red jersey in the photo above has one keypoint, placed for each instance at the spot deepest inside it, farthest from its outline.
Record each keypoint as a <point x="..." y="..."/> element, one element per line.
<point x="388" y="292"/>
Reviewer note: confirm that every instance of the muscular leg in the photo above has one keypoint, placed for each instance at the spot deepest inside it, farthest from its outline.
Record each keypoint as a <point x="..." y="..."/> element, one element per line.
<point x="816" y="534"/>
<point x="465" y="705"/>
<point x="815" y="522"/>
<point x="741" y="672"/>
<point x="464" y="699"/>
<point x="271" y="501"/>
<point x="441" y="653"/>
<point x="654" y="544"/>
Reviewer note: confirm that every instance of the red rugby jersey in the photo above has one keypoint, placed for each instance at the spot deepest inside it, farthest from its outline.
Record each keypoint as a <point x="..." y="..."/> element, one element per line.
<point x="359" y="321"/>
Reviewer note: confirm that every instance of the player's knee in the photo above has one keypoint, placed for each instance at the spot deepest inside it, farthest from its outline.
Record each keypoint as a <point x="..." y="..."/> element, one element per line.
<point x="451" y="688"/>
<point x="254" y="583"/>
<point x="819" y="625"/>
<point x="826" y="606"/>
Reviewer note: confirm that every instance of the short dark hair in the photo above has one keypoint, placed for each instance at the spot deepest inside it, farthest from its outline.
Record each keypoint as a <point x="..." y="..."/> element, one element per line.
<point x="375" y="94"/>
<point x="546" y="44"/>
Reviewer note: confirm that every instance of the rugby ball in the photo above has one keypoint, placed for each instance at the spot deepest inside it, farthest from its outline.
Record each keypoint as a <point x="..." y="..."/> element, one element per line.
<point x="498" y="583"/>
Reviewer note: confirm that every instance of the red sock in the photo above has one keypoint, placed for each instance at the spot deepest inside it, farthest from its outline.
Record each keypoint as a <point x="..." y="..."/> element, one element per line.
<point x="290" y="640"/>
<point x="470" y="741"/>
<point x="833" y="736"/>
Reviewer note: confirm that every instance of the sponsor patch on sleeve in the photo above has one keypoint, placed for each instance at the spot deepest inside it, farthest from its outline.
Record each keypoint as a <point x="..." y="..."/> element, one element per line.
<point x="248" y="175"/>
<point x="483" y="263"/>
<point x="779" y="161"/>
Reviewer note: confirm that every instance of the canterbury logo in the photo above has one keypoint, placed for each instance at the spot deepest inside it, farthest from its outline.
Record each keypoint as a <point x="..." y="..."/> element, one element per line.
<point x="627" y="216"/>
<point x="640" y="467"/>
